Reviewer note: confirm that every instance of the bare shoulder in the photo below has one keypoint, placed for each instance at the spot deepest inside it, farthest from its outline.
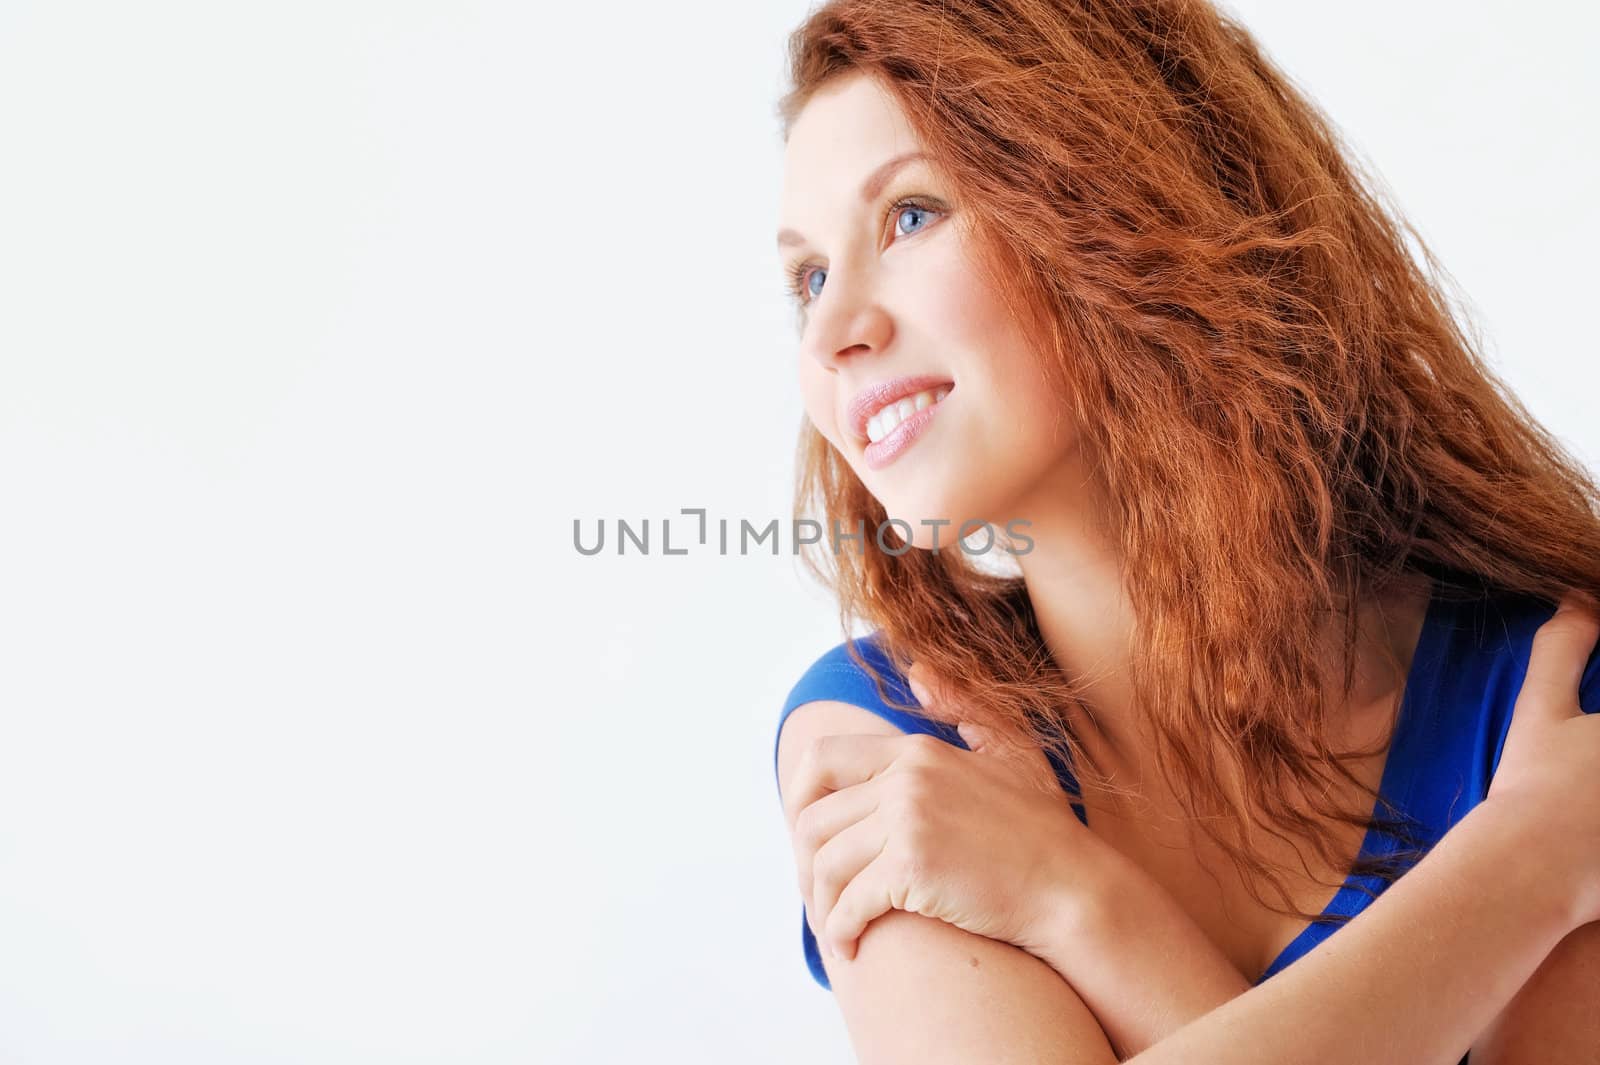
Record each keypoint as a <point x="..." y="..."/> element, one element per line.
<point x="921" y="990"/>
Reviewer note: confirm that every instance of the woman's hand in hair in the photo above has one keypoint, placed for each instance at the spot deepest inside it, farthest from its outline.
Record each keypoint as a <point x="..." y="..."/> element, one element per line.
<point x="1549" y="771"/>
<point x="983" y="839"/>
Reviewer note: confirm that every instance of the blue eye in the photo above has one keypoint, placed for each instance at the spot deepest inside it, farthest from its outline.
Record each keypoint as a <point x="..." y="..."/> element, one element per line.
<point x="805" y="279"/>
<point x="911" y="211"/>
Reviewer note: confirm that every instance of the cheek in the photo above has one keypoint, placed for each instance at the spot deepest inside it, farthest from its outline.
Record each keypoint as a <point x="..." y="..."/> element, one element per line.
<point x="954" y="305"/>
<point x="1031" y="407"/>
<point x="1028" y="421"/>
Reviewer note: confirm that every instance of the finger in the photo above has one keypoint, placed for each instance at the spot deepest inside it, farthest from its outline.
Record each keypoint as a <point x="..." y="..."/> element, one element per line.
<point x="841" y="860"/>
<point x="824" y="819"/>
<point x="976" y="737"/>
<point x="917" y="680"/>
<point x="816" y="930"/>
<point x="929" y="688"/>
<point x="830" y="763"/>
<point x="1561" y="650"/>
<point x="869" y="894"/>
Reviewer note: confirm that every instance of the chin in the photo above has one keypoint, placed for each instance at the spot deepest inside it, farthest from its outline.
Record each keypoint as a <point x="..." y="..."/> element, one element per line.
<point x="924" y="513"/>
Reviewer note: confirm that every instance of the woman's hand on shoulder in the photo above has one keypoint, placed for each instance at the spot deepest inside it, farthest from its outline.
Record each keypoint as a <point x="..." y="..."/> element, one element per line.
<point x="1549" y="770"/>
<point x="984" y="839"/>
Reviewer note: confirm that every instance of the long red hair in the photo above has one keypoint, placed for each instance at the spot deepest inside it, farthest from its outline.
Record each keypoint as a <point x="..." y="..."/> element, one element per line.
<point x="1278" y="398"/>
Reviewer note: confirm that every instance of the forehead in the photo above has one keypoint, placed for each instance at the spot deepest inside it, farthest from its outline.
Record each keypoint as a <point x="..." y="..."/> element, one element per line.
<point x="845" y="130"/>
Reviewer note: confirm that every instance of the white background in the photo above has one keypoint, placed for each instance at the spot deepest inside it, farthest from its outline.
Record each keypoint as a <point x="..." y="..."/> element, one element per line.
<point x="320" y="323"/>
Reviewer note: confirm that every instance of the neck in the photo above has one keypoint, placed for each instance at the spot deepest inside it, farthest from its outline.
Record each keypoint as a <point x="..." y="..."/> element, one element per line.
<point x="1073" y="576"/>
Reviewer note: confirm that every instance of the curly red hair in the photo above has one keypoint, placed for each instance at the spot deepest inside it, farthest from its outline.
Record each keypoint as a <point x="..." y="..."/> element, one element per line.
<point x="1279" y="399"/>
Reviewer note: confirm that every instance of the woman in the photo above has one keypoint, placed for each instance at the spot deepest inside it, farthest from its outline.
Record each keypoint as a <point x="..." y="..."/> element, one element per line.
<point x="1095" y="272"/>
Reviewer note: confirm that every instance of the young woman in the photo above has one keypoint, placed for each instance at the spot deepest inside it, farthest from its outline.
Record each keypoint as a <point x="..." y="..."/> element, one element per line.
<point x="1271" y="620"/>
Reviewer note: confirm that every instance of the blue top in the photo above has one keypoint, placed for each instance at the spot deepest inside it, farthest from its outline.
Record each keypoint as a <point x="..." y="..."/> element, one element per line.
<point x="1465" y="674"/>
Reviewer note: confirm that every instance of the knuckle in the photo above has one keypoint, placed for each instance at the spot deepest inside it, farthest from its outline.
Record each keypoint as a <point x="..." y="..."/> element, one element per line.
<point x="805" y="825"/>
<point x="923" y="749"/>
<point x="1567" y="625"/>
<point x="1551" y="639"/>
<point x="922" y="787"/>
<point x="825" y="869"/>
<point x="1558" y="625"/>
<point x="805" y="766"/>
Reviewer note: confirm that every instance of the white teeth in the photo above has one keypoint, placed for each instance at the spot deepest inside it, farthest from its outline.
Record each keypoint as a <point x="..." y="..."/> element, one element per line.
<point x="883" y="423"/>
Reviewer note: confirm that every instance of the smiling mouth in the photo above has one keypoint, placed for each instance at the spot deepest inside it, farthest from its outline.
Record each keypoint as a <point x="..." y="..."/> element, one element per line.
<point x="881" y="424"/>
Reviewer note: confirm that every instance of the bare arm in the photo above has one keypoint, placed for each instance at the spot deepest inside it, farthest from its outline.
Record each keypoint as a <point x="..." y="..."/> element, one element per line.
<point x="920" y="990"/>
<point x="1433" y="963"/>
<point x="1552" y="1018"/>
<point x="1555" y="1017"/>
<point x="1415" y="977"/>
<point x="1420" y="973"/>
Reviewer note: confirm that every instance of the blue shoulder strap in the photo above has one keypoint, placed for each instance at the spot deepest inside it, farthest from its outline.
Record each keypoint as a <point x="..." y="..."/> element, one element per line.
<point x="836" y="676"/>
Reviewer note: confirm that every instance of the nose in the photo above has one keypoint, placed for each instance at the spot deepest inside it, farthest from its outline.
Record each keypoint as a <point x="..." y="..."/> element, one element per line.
<point x="843" y="327"/>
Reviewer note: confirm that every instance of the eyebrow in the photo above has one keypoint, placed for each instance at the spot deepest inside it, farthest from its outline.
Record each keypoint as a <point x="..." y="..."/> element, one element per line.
<point x="870" y="189"/>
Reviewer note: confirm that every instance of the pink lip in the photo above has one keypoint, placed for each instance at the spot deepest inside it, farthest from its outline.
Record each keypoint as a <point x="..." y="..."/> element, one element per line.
<point x="903" y="436"/>
<point x="874" y="398"/>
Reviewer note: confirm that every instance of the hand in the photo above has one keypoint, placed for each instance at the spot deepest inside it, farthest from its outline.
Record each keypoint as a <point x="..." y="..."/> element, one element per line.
<point x="983" y="839"/>
<point x="1549" y="770"/>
